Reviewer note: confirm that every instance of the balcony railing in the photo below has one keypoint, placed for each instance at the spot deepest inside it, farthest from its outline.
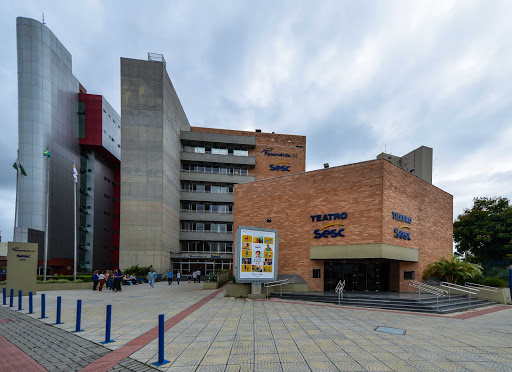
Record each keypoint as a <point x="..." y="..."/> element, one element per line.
<point x="212" y="171"/>
<point x="207" y="231"/>
<point x="192" y="150"/>
<point x="205" y="211"/>
<point x="208" y="192"/>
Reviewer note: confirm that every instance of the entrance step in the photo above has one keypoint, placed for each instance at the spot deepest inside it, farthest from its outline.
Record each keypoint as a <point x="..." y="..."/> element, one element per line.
<point x="390" y="301"/>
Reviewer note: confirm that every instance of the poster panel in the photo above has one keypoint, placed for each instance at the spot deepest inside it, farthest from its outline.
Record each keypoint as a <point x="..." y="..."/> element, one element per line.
<point x="256" y="254"/>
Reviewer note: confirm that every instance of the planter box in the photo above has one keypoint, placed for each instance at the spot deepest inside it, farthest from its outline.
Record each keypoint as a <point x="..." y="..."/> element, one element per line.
<point x="502" y="296"/>
<point x="210" y="285"/>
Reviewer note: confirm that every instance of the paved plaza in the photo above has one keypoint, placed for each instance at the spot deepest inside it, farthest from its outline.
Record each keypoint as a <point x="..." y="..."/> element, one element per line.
<point x="206" y="331"/>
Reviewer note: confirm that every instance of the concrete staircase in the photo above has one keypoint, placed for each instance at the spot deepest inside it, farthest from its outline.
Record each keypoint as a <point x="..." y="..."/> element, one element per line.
<point x="428" y="304"/>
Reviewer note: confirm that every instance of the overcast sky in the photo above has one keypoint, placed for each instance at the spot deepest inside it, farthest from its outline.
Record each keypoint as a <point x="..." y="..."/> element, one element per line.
<point x="355" y="77"/>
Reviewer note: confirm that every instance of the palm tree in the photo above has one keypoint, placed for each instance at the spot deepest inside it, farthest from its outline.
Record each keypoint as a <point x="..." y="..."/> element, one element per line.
<point x="452" y="270"/>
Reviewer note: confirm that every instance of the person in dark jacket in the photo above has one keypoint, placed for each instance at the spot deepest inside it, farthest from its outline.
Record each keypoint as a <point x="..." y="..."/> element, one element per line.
<point x="95" y="280"/>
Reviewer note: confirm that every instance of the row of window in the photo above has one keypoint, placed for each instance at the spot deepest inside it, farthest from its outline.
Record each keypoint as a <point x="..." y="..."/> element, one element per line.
<point x="200" y="187"/>
<point x="215" y="169"/>
<point x="206" y="207"/>
<point x="187" y="266"/>
<point x="195" y="246"/>
<point x="216" y="150"/>
<point x="207" y="227"/>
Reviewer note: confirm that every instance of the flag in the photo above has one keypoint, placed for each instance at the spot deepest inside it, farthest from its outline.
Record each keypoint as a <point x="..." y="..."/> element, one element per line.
<point x="75" y="173"/>
<point x="47" y="153"/>
<point x="17" y="165"/>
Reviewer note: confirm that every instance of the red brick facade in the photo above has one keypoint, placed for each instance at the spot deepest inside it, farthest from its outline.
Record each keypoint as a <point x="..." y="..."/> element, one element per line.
<point x="368" y="192"/>
<point x="288" y="150"/>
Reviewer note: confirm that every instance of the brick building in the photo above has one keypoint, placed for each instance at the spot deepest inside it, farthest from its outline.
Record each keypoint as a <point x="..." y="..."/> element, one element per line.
<point x="371" y="224"/>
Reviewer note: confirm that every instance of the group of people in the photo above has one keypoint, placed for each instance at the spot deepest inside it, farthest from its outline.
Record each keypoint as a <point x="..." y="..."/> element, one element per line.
<point x="196" y="275"/>
<point x="112" y="279"/>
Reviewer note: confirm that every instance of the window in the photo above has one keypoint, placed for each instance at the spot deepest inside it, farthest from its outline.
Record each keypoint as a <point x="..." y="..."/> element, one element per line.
<point x="219" y="151"/>
<point x="316" y="273"/>
<point x="409" y="275"/>
<point x="200" y="188"/>
<point x="199" y="149"/>
<point x="240" y="152"/>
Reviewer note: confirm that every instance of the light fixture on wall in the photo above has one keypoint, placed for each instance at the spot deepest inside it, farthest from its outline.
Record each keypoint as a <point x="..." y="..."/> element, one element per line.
<point x="269" y="220"/>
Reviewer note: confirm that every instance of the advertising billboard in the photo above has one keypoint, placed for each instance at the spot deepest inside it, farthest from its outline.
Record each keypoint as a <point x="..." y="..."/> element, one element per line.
<point x="256" y="254"/>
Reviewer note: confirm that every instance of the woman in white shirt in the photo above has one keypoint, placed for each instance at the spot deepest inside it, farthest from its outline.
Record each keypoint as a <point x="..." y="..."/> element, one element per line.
<point x="102" y="280"/>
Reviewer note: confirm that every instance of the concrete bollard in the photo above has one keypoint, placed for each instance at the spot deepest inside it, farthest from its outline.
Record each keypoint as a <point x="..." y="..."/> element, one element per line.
<point x="107" y="326"/>
<point x="161" y="330"/>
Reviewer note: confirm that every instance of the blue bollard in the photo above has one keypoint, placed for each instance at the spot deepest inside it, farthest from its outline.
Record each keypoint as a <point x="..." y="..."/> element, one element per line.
<point x="78" y="316"/>
<point x="510" y="280"/>
<point x="161" y="330"/>
<point x="30" y="303"/>
<point x="59" y="303"/>
<point x="43" y="303"/>
<point x="107" y="327"/>
<point x="20" y="293"/>
<point x="4" y="292"/>
<point x="11" y="301"/>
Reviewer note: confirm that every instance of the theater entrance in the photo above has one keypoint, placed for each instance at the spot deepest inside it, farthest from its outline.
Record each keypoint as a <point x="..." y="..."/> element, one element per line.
<point x="358" y="275"/>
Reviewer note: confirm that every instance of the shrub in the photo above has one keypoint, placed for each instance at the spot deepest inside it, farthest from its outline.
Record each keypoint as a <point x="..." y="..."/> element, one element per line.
<point x="138" y="271"/>
<point x="452" y="270"/>
<point x="491" y="281"/>
<point x="69" y="278"/>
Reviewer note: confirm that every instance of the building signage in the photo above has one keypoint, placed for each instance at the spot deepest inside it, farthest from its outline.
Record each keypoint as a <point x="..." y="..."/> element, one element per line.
<point x="402" y="232"/>
<point x="280" y="166"/>
<point x="258" y="255"/>
<point x="331" y="230"/>
<point x="268" y="152"/>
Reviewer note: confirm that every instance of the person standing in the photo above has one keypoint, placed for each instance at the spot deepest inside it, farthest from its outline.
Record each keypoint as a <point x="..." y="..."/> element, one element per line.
<point x="102" y="280"/>
<point x="117" y="281"/>
<point x="169" y="277"/>
<point x="95" y="280"/>
<point x="110" y="280"/>
<point x="194" y="275"/>
<point x="198" y="273"/>
<point x="178" y="277"/>
<point x="151" y="278"/>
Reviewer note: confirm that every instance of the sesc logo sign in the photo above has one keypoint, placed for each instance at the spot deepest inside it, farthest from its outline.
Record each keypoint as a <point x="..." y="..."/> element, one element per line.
<point x="400" y="233"/>
<point x="280" y="166"/>
<point x="332" y="233"/>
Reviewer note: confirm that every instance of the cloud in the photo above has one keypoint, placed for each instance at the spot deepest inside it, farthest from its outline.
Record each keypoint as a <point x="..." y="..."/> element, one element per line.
<point x="355" y="78"/>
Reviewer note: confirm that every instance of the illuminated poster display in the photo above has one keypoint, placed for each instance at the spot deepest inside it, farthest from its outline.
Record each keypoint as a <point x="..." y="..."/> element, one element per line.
<point x="256" y="258"/>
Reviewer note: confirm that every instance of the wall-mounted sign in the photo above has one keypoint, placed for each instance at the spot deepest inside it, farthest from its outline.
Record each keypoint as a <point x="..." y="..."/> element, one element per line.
<point x="268" y="151"/>
<point x="401" y="217"/>
<point x="331" y="230"/>
<point x="402" y="232"/>
<point x="280" y="166"/>
<point x="256" y="254"/>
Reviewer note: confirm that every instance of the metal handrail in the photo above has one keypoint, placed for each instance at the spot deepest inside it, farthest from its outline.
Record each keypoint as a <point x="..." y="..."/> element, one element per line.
<point x="339" y="290"/>
<point x="482" y="287"/>
<point x="438" y="292"/>
<point x="208" y="192"/>
<point x="205" y="211"/>
<point x="460" y="288"/>
<point x="275" y="284"/>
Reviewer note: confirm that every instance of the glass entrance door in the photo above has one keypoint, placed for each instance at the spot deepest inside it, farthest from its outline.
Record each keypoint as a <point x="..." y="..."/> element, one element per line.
<point x="358" y="276"/>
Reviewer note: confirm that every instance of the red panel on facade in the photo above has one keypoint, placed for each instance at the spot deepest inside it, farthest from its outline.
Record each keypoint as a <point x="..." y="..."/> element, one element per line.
<point x="93" y="119"/>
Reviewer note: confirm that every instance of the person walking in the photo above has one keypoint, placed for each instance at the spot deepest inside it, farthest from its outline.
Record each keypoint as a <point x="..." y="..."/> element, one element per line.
<point x="169" y="277"/>
<point x="95" y="280"/>
<point x="151" y="278"/>
<point x="102" y="281"/>
<point x="189" y="277"/>
<point x="178" y="277"/>
<point x="194" y="275"/>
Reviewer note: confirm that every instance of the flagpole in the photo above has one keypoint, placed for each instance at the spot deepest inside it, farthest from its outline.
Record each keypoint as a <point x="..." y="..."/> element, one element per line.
<point x="74" y="208"/>
<point x="47" y="215"/>
<point x="16" y="206"/>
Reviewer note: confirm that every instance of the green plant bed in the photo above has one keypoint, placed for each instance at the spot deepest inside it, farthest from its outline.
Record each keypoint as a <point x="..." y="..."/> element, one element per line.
<point x="62" y="281"/>
<point x="69" y="278"/>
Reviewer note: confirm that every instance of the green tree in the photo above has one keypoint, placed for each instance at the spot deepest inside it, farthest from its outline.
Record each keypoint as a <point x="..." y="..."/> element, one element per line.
<point x="484" y="232"/>
<point x="452" y="270"/>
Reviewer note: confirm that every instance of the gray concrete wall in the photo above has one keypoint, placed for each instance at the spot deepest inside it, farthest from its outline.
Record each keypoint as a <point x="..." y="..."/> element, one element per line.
<point x="150" y="165"/>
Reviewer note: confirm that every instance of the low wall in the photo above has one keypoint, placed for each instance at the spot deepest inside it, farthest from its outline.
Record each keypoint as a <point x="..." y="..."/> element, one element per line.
<point x="244" y="289"/>
<point x="43" y="287"/>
